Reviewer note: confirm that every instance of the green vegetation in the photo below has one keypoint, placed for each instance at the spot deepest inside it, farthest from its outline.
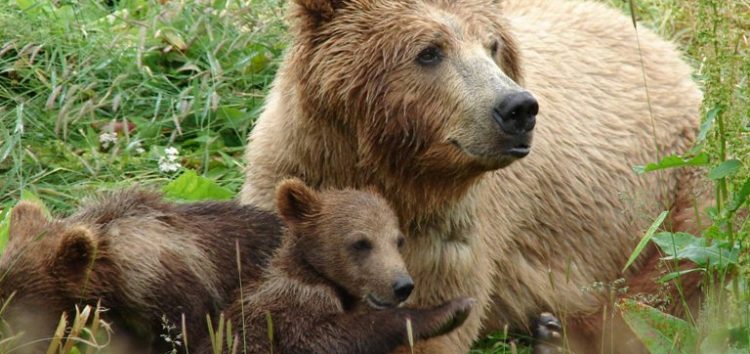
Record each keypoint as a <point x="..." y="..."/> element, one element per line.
<point x="103" y="94"/>
<point x="185" y="75"/>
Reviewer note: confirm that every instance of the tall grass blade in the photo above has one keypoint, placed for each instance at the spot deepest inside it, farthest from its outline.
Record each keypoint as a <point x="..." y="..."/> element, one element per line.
<point x="410" y="335"/>
<point x="269" y="324"/>
<point x="58" y="335"/>
<point x="242" y="296"/>
<point x="646" y="238"/>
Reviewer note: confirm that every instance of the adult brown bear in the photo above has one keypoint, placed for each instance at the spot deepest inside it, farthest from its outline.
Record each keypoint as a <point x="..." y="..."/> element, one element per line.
<point x="433" y="101"/>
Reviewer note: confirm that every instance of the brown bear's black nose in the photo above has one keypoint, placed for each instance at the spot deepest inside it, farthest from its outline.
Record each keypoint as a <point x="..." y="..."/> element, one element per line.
<point x="402" y="288"/>
<point x="516" y="113"/>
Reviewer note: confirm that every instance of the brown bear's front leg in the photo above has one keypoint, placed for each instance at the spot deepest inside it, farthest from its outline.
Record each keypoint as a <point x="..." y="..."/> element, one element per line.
<point x="547" y="334"/>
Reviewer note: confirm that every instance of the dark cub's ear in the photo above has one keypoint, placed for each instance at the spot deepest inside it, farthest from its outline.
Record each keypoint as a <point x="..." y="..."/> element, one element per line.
<point x="26" y="220"/>
<point x="75" y="251"/>
<point x="295" y="201"/>
<point x="313" y="13"/>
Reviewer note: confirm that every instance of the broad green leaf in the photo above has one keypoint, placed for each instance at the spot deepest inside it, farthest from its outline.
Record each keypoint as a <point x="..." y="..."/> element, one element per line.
<point x="673" y="161"/>
<point x="707" y="125"/>
<point x="644" y="241"/>
<point x="725" y="169"/>
<point x="671" y="243"/>
<point x="658" y="331"/>
<point x="707" y="255"/>
<point x="682" y="245"/>
<point x="190" y="186"/>
<point x="740" y="197"/>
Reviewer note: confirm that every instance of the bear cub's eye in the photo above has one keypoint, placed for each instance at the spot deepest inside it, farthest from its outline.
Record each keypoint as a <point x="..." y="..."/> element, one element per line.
<point x="400" y="242"/>
<point x="430" y="56"/>
<point x="362" y="245"/>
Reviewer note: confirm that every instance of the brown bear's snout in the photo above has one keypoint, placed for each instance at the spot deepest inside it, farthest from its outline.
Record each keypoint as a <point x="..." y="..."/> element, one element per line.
<point x="402" y="288"/>
<point x="516" y="116"/>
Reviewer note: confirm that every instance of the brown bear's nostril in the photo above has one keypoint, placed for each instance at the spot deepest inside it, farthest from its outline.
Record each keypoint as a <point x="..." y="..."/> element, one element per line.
<point x="402" y="288"/>
<point x="516" y="113"/>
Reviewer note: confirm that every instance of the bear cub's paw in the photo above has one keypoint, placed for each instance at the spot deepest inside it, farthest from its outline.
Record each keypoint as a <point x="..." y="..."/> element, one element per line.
<point x="444" y="318"/>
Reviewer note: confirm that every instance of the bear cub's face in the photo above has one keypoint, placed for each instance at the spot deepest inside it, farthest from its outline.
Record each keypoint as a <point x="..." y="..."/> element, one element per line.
<point x="349" y="237"/>
<point x="435" y="81"/>
<point x="44" y="263"/>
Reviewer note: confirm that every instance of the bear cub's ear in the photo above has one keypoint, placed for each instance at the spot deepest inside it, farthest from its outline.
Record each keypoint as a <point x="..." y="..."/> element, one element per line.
<point x="75" y="251"/>
<point x="295" y="201"/>
<point x="27" y="219"/>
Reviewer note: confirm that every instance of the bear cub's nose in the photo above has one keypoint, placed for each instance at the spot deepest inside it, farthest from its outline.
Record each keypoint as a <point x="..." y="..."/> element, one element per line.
<point x="516" y="113"/>
<point x="402" y="288"/>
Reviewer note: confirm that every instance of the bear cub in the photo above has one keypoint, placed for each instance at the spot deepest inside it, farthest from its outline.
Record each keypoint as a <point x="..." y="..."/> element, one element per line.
<point x="335" y="283"/>
<point x="149" y="261"/>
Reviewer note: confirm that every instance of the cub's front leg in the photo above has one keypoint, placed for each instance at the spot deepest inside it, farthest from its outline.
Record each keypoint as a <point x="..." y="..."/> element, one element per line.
<point x="379" y="332"/>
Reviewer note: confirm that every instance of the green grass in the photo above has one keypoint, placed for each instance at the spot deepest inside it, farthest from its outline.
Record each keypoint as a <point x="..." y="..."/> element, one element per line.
<point x="187" y="76"/>
<point x="192" y="75"/>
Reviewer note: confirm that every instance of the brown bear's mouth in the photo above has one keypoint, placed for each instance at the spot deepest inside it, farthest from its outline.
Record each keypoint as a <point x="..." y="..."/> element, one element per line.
<point x="520" y="150"/>
<point x="377" y="303"/>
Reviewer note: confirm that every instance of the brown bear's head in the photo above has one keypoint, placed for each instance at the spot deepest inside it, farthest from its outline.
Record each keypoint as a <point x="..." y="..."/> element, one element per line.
<point x="349" y="237"/>
<point x="42" y="270"/>
<point x="421" y="87"/>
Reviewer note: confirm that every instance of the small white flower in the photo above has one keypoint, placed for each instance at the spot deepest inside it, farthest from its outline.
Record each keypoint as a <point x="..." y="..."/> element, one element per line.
<point x="107" y="139"/>
<point x="136" y="146"/>
<point x="168" y="163"/>
<point x="167" y="166"/>
<point x="171" y="152"/>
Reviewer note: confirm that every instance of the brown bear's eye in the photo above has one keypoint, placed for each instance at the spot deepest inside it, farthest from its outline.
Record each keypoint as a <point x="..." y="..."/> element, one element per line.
<point x="494" y="47"/>
<point x="430" y="56"/>
<point x="362" y="245"/>
<point x="400" y="242"/>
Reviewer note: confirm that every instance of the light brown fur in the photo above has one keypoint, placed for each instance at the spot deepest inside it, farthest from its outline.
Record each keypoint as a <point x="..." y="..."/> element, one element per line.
<point x="348" y="109"/>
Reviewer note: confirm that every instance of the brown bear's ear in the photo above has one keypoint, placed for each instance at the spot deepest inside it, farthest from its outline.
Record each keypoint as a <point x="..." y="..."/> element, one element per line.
<point x="295" y="201"/>
<point x="27" y="219"/>
<point x="75" y="251"/>
<point x="315" y="12"/>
